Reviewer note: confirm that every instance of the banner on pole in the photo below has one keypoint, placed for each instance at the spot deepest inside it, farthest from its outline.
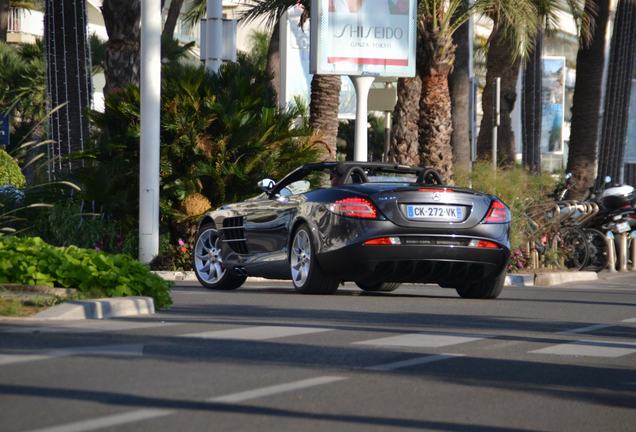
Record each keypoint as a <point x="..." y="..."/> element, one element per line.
<point x="363" y="37"/>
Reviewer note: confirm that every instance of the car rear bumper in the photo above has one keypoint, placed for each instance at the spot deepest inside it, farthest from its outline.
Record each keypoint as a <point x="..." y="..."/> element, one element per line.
<point x="444" y="264"/>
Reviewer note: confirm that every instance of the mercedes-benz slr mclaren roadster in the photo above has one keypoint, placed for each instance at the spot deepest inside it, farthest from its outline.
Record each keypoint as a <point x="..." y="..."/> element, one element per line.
<point x="378" y="225"/>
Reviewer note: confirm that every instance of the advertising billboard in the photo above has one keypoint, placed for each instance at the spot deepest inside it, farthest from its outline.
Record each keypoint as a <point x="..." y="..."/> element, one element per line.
<point x="363" y="37"/>
<point x="295" y="72"/>
<point x="553" y="95"/>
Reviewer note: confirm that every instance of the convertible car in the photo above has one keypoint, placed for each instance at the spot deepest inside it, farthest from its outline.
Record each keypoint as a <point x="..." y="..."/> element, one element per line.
<point x="378" y="225"/>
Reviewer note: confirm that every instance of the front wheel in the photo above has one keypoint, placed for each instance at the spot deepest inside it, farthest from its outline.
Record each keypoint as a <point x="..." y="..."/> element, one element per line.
<point x="208" y="264"/>
<point x="488" y="288"/>
<point x="378" y="286"/>
<point x="307" y="276"/>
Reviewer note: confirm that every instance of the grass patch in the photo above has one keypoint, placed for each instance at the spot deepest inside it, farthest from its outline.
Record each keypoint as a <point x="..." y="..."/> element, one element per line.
<point x="21" y="304"/>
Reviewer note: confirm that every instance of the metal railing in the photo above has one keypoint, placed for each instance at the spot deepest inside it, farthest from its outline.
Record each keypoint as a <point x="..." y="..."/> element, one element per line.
<point x="15" y="20"/>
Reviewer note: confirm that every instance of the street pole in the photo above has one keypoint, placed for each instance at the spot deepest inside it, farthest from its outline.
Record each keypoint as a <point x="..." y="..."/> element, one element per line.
<point x="214" y="35"/>
<point x="496" y="121"/>
<point x="362" y="85"/>
<point x="149" y="143"/>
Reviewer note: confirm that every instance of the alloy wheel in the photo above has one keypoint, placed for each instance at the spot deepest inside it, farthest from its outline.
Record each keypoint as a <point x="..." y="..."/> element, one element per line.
<point x="300" y="259"/>
<point x="208" y="261"/>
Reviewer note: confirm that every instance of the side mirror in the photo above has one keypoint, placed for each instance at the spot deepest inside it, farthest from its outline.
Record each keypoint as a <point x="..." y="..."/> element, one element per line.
<point x="266" y="185"/>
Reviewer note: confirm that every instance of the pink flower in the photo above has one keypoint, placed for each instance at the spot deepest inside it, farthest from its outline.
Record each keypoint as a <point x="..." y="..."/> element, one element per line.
<point x="181" y="242"/>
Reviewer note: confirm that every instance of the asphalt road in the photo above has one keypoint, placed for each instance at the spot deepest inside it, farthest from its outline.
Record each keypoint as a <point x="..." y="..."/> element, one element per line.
<point x="266" y="359"/>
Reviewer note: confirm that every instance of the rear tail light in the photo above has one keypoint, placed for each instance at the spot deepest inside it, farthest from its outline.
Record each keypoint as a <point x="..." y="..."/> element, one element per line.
<point x="383" y="241"/>
<point x="483" y="244"/>
<point x="354" y="207"/>
<point x="497" y="213"/>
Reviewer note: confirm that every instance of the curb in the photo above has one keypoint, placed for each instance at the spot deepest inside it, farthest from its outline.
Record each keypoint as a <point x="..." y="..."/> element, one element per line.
<point x="549" y="279"/>
<point x="519" y="280"/>
<point x="512" y="279"/>
<point x="102" y="308"/>
<point x="188" y="276"/>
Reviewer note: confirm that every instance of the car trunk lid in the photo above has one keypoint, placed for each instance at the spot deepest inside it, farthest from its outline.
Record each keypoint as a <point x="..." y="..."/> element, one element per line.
<point x="433" y="207"/>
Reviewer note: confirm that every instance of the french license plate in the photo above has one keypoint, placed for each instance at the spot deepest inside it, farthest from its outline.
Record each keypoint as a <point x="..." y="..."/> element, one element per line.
<point x="434" y="212"/>
<point x="623" y="227"/>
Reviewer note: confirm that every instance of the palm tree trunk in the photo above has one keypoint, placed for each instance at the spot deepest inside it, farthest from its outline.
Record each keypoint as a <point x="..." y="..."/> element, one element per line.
<point x="435" y="124"/>
<point x="404" y="148"/>
<point x="171" y="21"/>
<point x="532" y="107"/>
<point x="618" y="91"/>
<point x="499" y="64"/>
<point x="323" y="112"/>
<point x="460" y="89"/>
<point x="273" y="59"/>
<point x="4" y="20"/>
<point x="586" y="104"/>
<point x="122" y="20"/>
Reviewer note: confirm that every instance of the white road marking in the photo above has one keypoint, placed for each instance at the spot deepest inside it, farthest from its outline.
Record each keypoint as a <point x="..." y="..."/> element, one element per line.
<point x="107" y="421"/>
<point x="590" y="348"/>
<point x="423" y="340"/>
<point x="105" y="350"/>
<point x="88" y="326"/>
<point x="275" y="389"/>
<point x="413" y="362"/>
<point x="147" y="414"/>
<point x="257" y="333"/>
<point x="586" y="329"/>
<point x="629" y="320"/>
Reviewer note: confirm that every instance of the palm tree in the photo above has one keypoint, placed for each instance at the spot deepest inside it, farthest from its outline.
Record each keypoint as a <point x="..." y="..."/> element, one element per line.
<point x="4" y="19"/>
<point x="460" y="91"/>
<point x="404" y="148"/>
<point x="586" y="103"/>
<point x="531" y="107"/>
<point x="122" y="20"/>
<point x="617" y="94"/>
<point x="437" y="23"/>
<point x="174" y="10"/>
<point x="325" y="89"/>
<point x="514" y="27"/>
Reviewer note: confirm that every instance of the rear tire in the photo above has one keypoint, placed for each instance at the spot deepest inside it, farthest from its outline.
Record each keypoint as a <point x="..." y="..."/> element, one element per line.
<point x="307" y="276"/>
<point x="488" y="288"/>
<point x="207" y="261"/>
<point x="378" y="286"/>
<point x="574" y="246"/>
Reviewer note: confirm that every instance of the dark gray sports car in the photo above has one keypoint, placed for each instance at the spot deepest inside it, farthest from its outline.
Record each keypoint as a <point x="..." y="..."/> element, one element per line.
<point x="375" y="224"/>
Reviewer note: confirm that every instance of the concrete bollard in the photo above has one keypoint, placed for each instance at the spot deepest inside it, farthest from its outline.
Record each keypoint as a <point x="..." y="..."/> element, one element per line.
<point x="611" y="252"/>
<point x="622" y="252"/>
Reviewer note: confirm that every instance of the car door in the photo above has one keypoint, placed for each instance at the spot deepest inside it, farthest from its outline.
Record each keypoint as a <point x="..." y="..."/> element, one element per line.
<point x="266" y="227"/>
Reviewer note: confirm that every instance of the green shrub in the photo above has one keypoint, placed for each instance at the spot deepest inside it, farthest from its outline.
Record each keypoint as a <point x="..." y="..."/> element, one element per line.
<point x="10" y="173"/>
<point x="31" y="261"/>
<point x="518" y="188"/>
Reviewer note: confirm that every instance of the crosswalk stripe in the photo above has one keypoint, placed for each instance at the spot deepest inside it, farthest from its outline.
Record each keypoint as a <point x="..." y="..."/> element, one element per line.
<point x="87" y="326"/>
<point x="412" y="362"/>
<point x="590" y="348"/>
<point x="103" y="350"/>
<point x="257" y="332"/>
<point x="423" y="340"/>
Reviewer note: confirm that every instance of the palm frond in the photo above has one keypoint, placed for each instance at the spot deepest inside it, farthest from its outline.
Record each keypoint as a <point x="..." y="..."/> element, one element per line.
<point x="270" y="10"/>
